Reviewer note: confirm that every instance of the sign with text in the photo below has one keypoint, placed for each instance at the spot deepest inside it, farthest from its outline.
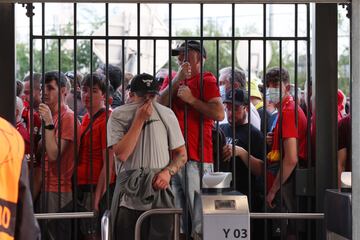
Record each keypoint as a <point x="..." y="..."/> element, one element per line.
<point x="225" y="217"/>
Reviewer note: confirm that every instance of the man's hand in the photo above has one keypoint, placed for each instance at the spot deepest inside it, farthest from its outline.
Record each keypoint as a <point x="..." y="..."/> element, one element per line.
<point x="270" y="138"/>
<point x="45" y="113"/>
<point x="270" y="198"/>
<point x="228" y="152"/>
<point x="184" y="71"/>
<point x="184" y="93"/>
<point x="161" y="180"/>
<point x="144" y="112"/>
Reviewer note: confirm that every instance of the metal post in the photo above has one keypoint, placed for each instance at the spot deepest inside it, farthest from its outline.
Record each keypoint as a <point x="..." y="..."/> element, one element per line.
<point x="7" y="61"/>
<point x="326" y="103"/>
<point x="355" y="63"/>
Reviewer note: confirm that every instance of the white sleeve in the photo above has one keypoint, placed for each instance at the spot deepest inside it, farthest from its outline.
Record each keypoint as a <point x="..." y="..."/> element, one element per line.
<point x="175" y="135"/>
<point x="115" y="129"/>
<point x="255" y="119"/>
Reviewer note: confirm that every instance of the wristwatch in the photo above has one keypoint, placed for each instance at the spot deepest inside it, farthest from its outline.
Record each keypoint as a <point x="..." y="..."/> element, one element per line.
<point x="171" y="171"/>
<point x="49" y="127"/>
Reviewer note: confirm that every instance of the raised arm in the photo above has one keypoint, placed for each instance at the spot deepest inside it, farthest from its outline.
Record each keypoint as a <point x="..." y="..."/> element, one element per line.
<point x="125" y="147"/>
<point x="183" y="73"/>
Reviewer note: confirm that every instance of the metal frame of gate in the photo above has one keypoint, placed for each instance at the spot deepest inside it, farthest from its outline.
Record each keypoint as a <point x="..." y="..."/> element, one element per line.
<point x="171" y="38"/>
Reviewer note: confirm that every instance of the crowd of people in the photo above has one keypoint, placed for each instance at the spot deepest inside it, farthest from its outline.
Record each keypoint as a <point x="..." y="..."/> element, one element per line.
<point x="149" y="129"/>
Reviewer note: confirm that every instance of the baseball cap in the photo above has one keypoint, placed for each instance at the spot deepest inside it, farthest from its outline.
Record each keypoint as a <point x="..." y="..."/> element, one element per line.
<point x="241" y="97"/>
<point x="143" y="84"/>
<point x="194" y="45"/>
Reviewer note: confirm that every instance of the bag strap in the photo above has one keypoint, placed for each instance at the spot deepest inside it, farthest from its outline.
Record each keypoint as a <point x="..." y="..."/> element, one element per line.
<point x="95" y="116"/>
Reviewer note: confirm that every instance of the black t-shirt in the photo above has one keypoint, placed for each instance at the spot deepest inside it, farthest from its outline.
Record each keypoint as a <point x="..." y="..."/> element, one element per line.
<point x="257" y="150"/>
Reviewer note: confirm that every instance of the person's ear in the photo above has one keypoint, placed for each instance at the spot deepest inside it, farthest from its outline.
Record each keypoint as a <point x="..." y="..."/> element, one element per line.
<point x="287" y="87"/>
<point x="63" y="91"/>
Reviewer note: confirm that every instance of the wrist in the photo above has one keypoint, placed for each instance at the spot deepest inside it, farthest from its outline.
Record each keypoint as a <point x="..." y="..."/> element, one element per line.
<point x="192" y="100"/>
<point x="49" y="126"/>
<point x="170" y="171"/>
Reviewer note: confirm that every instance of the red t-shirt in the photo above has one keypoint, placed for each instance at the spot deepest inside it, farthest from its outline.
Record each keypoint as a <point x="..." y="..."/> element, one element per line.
<point x="210" y="91"/>
<point x="98" y="145"/>
<point x="67" y="157"/>
<point x="289" y="130"/>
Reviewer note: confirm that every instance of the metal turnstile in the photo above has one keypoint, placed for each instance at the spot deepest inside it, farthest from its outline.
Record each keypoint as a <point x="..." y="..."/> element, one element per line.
<point x="338" y="214"/>
<point x="225" y="216"/>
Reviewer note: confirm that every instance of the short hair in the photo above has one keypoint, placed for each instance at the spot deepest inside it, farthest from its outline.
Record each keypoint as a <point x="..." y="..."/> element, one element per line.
<point x="98" y="79"/>
<point x="54" y="75"/>
<point x="71" y="76"/>
<point x="239" y="75"/>
<point x="19" y="88"/>
<point x="115" y="74"/>
<point x="36" y="78"/>
<point x="275" y="75"/>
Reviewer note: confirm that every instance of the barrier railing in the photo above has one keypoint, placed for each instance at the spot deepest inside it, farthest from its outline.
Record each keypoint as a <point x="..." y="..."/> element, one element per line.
<point x="178" y="211"/>
<point x="159" y="211"/>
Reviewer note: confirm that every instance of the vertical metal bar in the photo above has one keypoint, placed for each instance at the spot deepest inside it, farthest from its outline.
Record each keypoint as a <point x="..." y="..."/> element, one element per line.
<point x="170" y="45"/>
<point x="44" y="198"/>
<point x="217" y="122"/>
<point x="309" y="110"/>
<point x="233" y="92"/>
<point x="154" y="58"/>
<point x="264" y="130"/>
<point x="308" y="86"/>
<point x="176" y="226"/>
<point x="201" y="93"/>
<point x="7" y="61"/>
<point x="59" y="124"/>
<point x="76" y="163"/>
<point x="186" y="180"/>
<point x="108" y="173"/>
<point x="295" y="67"/>
<point x="59" y="157"/>
<point x="249" y="126"/>
<point x="355" y="129"/>
<point x="281" y="137"/>
<point x="326" y="102"/>
<point x="296" y="99"/>
<point x="31" y="65"/>
<point x="91" y="113"/>
<point x="138" y="40"/>
<point x="123" y="70"/>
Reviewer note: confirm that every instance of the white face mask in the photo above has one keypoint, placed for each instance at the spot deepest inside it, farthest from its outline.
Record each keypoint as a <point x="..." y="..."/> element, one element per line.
<point x="222" y="92"/>
<point x="273" y="94"/>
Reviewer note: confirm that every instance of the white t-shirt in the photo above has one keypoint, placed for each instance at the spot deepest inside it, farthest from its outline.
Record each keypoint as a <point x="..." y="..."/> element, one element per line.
<point x="159" y="135"/>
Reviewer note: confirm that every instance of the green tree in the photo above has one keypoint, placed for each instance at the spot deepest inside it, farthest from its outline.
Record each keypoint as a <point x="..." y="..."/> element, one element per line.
<point x="344" y="71"/>
<point x="210" y="46"/>
<point x="51" y="54"/>
<point x="287" y="61"/>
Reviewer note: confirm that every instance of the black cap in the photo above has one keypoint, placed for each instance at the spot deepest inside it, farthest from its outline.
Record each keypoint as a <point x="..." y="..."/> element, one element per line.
<point x="143" y="84"/>
<point x="241" y="97"/>
<point x="194" y="45"/>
